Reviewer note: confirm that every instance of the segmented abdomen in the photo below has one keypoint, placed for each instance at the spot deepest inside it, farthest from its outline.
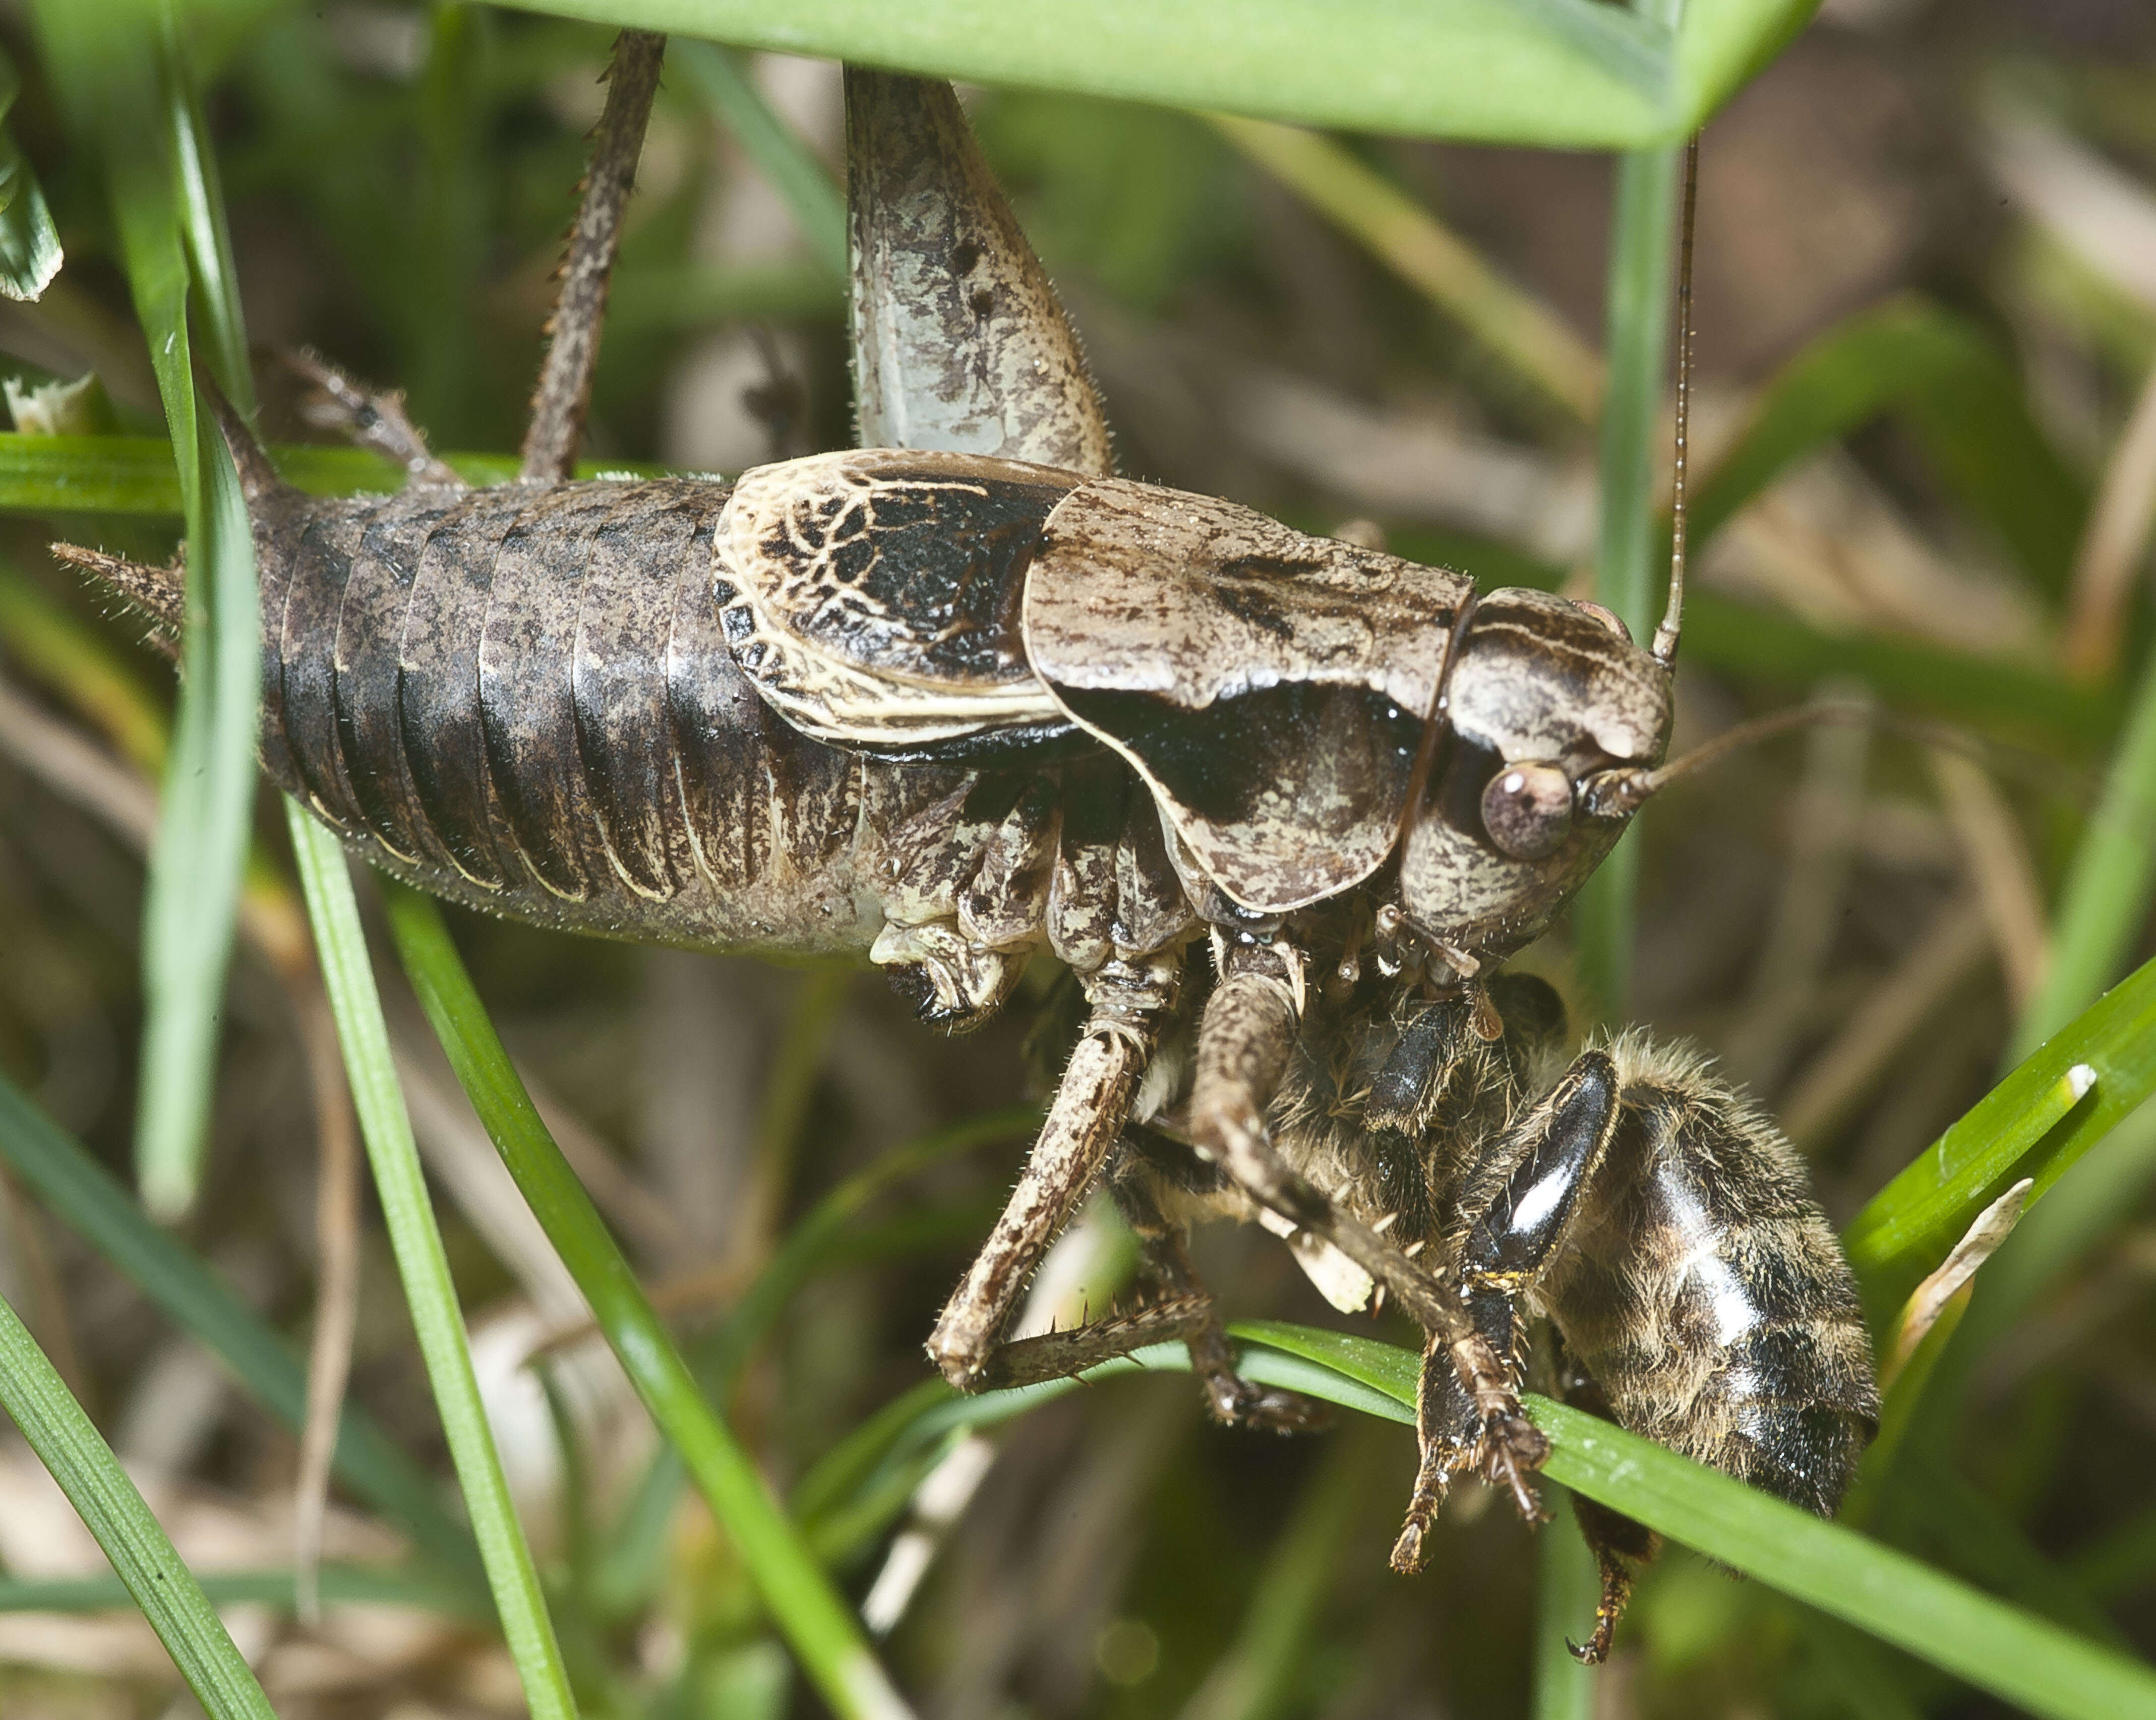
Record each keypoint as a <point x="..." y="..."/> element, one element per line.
<point x="521" y="698"/>
<point x="1706" y="1293"/>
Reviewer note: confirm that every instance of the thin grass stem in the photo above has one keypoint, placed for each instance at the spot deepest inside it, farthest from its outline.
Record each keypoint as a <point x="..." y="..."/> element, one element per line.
<point x="110" y="1507"/>
<point x="816" y="1620"/>
<point x="425" y="1268"/>
<point x="1637" y="299"/>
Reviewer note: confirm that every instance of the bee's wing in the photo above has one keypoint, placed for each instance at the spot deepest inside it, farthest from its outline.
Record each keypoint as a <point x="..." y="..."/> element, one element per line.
<point x="873" y="596"/>
<point x="1271" y="688"/>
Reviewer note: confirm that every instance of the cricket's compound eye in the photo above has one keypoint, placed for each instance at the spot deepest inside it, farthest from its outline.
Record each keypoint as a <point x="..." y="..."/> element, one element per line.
<point x="1528" y="810"/>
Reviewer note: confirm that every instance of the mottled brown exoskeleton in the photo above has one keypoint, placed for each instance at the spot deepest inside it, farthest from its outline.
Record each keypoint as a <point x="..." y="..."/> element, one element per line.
<point x="963" y="697"/>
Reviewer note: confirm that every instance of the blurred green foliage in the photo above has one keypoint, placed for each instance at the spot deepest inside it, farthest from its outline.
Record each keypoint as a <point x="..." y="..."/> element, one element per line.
<point x="399" y="178"/>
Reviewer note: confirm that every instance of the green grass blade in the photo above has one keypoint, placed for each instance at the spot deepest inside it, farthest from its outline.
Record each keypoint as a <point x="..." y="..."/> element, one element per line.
<point x="2026" y="1661"/>
<point x="1979" y="1540"/>
<point x="2104" y="1193"/>
<point x="795" y="170"/>
<point x="356" y="1584"/>
<point x="1626" y="577"/>
<point x="1999" y="1648"/>
<point x="191" y="900"/>
<point x="79" y="1191"/>
<point x="1567" y="1588"/>
<point x="113" y="1510"/>
<point x="2036" y="1122"/>
<point x="133" y="474"/>
<point x="2110" y="1177"/>
<point x="2104" y="902"/>
<point x="417" y="1241"/>
<point x="816" y="1620"/>
<point x="124" y="84"/>
<point x="215" y="276"/>
<point x="1566" y="73"/>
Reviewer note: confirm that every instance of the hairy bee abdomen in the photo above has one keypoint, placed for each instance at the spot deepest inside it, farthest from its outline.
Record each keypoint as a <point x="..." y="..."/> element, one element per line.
<point x="1706" y="1293"/>
<point x="522" y="698"/>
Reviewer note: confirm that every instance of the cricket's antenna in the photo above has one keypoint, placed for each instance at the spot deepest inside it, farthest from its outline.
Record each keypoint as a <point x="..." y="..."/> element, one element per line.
<point x="1665" y="636"/>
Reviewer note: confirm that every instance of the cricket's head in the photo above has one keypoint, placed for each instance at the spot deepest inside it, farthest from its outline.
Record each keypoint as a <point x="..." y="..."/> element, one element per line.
<point x="1556" y="724"/>
<point x="1554" y="721"/>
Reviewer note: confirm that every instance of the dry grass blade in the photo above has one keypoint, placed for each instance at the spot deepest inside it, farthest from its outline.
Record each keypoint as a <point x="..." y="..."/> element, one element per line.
<point x="1951" y="1278"/>
<point x="1857" y="1057"/>
<point x="1531" y="340"/>
<point x="2112" y="546"/>
<point x="1999" y="864"/>
<point x="336" y="1287"/>
<point x="76" y="771"/>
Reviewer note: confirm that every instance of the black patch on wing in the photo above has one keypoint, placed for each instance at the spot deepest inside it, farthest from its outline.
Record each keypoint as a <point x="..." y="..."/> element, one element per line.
<point x="1296" y="790"/>
<point x="942" y="564"/>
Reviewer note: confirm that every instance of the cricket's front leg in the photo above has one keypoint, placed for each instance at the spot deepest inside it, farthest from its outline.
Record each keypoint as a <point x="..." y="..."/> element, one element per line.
<point x="1244" y="1042"/>
<point x="1148" y="1157"/>
<point x="1522" y="1196"/>
<point x="1092" y="1105"/>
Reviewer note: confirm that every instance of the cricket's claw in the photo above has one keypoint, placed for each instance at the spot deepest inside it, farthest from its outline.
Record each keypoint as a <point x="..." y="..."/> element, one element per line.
<point x="1241" y="1402"/>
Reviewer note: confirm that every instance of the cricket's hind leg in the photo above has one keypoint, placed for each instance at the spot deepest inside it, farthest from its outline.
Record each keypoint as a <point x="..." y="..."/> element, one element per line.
<point x="1148" y="1160"/>
<point x="372" y="419"/>
<point x="959" y="340"/>
<point x="564" y="393"/>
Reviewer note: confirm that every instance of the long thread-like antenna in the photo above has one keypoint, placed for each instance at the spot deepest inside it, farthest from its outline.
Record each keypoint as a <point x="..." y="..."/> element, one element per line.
<point x="1665" y="636"/>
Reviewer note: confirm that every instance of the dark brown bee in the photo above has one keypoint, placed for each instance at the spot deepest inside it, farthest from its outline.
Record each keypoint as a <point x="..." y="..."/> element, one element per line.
<point x="963" y="697"/>
<point x="1653" y="1214"/>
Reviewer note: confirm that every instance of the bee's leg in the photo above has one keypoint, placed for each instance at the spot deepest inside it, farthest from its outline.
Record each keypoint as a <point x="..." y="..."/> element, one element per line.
<point x="1162" y="1247"/>
<point x="1617" y="1542"/>
<point x="564" y="393"/>
<point x="372" y="419"/>
<point x="1520" y="1200"/>
<point x="1092" y="1103"/>
<point x="1243" y="1046"/>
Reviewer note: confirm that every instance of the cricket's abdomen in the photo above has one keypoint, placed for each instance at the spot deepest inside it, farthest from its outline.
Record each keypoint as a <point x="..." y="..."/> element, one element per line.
<point x="521" y="698"/>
